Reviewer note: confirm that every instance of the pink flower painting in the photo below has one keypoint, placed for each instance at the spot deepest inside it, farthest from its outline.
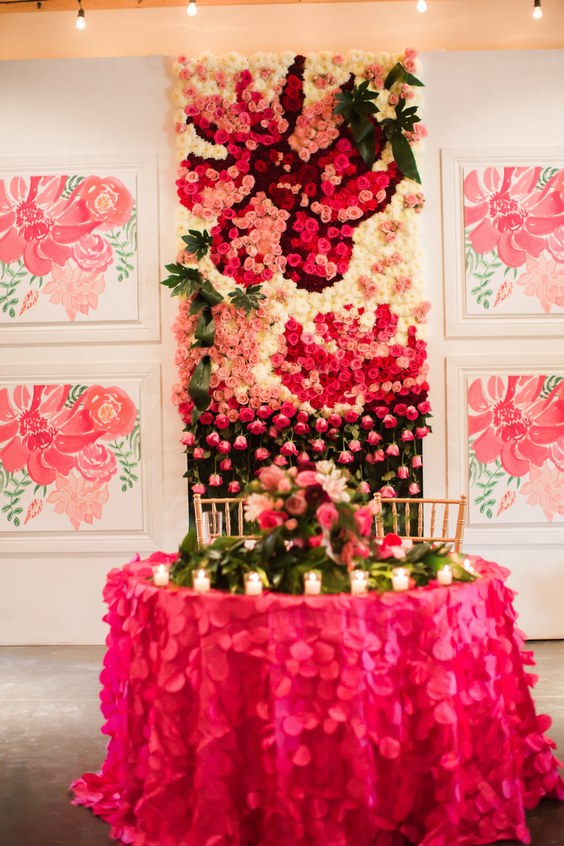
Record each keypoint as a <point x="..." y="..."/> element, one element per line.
<point x="514" y="226"/>
<point x="515" y="432"/>
<point x="66" y="446"/>
<point x="65" y="239"/>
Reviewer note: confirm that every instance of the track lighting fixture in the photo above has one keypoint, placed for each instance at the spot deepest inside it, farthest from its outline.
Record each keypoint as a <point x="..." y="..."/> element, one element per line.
<point x="192" y="8"/>
<point x="537" y="10"/>
<point x="421" y="5"/>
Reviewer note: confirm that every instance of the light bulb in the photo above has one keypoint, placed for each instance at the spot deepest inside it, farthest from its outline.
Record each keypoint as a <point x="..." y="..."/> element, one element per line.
<point x="192" y="8"/>
<point x="80" y="19"/>
<point x="537" y="10"/>
<point x="421" y="5"/>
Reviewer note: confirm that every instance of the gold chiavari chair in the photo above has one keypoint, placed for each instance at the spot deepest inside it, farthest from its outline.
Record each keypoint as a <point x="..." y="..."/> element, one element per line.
<point x="423" y="519"/>
<point x="225" y="517"/>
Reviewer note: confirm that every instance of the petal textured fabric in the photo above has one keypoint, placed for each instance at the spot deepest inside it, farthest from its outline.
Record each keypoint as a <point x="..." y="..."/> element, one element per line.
<point x="386" y="720"/>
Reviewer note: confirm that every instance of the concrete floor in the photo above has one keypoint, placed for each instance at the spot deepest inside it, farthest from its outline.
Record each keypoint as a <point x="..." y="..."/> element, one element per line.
<point x="49" y="735"/>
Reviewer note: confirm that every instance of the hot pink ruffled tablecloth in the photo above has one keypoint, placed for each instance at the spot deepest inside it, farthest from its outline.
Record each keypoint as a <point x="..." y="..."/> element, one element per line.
<point x="317" y="721"/>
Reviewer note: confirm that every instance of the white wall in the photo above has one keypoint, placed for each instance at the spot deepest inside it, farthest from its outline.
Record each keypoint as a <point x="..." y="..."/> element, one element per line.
<point x="472" y="100"/>
<point x="114" y="106"/>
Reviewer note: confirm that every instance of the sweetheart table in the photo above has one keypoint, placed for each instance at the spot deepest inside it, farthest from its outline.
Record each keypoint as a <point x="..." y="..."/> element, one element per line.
<point x="385" y="720"/>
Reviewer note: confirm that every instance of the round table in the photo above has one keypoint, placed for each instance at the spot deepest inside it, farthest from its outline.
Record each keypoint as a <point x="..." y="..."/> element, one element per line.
<point x="385" y="720"/>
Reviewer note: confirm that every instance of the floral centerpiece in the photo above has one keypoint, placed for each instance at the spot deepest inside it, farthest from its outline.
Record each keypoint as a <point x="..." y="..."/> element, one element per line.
<point x="311" y="518"/>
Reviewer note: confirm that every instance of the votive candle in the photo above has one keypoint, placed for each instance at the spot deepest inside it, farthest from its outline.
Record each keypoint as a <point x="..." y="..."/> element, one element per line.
<point x="161" y="576"/>
<point x="400" y="578"/>
<point x="201" y="581"/>
<point x="312" y="583"/>
<point x="359" y="582"/>
<point x="253" y="584"/>
<point x="444" y="575"/>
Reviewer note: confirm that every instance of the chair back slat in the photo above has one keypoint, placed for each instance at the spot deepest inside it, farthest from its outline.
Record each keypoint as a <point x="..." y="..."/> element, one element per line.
<point x="419" y="519"/>
<point x="224" y="506"/>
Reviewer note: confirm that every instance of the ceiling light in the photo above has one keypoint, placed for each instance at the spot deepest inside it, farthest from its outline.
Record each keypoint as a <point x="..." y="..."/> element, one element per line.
<point x="421" y="5"/>
<point x="80" y="18"/>
<point x="192" y="8"/>
<point x="537" y="10"/>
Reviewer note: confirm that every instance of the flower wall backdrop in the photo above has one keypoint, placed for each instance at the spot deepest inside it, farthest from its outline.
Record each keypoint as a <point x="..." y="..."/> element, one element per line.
<point x="67" y="450"/>
<point x="300" y="330"/>
<point x="516" y="448"/>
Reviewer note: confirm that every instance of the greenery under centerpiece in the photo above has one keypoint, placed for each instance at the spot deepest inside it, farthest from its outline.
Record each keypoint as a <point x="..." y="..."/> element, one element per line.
<point x="311" y="519"/>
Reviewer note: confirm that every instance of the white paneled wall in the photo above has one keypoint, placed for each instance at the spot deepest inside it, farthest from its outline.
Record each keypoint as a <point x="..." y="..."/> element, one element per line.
<point x="474" y="100"/>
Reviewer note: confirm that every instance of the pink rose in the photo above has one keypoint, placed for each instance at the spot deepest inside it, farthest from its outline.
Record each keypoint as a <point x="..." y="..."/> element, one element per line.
<point x="421" y="432"/>
<point x="289" y="448"/>
<point x="246" y="415"/>
<point x="306" y="478"/>
<point x="234" y="487"/>
<point x="363" y="488"/>
<point x="281" y="421"/>
<point x="213" y="439"/>
<point x="367" y="422"/>
<point x="301" y="428"/>
<point x="390" y="545"/>
<point x="303" y="458"/>
<point x="387" y="491"/>
<point x="390" y="421"/>
<point x="335" y="420"/>
<point x="407" y="435"/>
<point x="215" y="480"/>
<point x="261" y="454"/>
<point x="402" y="472"/>
<point x="373" y="438"/>
<point x="351" y="417"/>
<point x="199" y="489"/>
<point x="291" y="525"/>
<point x="257" y="427"/>
<point x="198" y="453"/>
<point x="416" y="461"/>
<point x="240" y="442"/>
<point x="226" y="464"/>
<point x="327" y="515"/>
<point x="223" y="447"/>
<point x="189" y="439"/>
<point x="280" y="461"/>
<point x="414" y="489"/>
<point x="321" y="425"/>
<point x="295" y="505"/>
<point x="364" y="519"/>
<point x="222" y="421"/>
<point x="392" y="449"/>
<point x="345" y="457"/>
<point x="318" y="445"/>
<point x="269" y="519"/>
<point x="355" y="446"/>
<point x="271" y="478"/>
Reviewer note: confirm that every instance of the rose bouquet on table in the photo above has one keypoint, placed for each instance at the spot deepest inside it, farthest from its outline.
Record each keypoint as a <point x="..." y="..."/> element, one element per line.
<point x="311" y="518"/>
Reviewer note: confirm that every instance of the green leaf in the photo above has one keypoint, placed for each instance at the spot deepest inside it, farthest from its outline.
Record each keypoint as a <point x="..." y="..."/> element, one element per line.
<point x="182" y="280"/>
<point x="208" y="292"/>
<point x="199" y="387"/>
<point x="405" y="160"/>
<point x="198" y="242"/>
<point x="399" y="74"/>
<point x="247" y="299"/>
<point x="205" y="329"/>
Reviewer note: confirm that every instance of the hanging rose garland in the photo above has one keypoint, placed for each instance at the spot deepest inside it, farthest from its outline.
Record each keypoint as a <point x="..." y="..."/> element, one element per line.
<point x="299" y="328"/>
